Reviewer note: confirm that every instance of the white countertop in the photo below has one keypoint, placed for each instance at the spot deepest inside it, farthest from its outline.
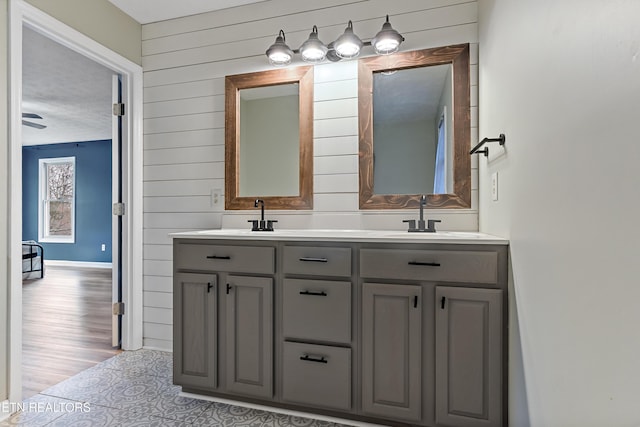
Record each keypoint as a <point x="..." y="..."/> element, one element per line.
<point x="380" y="236"/>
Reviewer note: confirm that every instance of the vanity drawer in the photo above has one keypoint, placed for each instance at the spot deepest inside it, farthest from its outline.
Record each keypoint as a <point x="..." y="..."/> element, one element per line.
<point x="317" y="310"/>
<point x="440" y="266"/>
<point x="237" y="259"/>
<point x="317" y="375"/>
<point x="315" y="260"/>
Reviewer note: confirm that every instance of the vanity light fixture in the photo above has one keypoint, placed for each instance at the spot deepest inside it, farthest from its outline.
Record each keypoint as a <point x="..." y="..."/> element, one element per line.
<point x="279" y="53"/>
<point x="313" y="50"/>
<point x="347" y="46"/>
<point x="388" y="40"/>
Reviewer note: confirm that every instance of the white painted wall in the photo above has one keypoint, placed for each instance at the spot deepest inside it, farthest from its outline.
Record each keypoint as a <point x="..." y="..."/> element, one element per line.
<point x="562" y="80"/>
<point x="185" y="61"/>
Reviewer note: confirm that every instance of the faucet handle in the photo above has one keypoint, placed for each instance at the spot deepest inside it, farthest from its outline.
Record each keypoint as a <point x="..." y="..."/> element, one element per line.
<point x="270" y="224"/>
<point x="254" y="224"/>
<point x="431" y="225"/>
<point x="412" y="223"/>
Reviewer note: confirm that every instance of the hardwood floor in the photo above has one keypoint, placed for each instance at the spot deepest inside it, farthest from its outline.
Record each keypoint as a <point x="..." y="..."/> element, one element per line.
<point x="66" y="325"/>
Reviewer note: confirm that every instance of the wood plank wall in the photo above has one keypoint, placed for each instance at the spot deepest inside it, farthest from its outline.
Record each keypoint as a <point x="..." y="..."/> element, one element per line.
<point x="185" y="61"/>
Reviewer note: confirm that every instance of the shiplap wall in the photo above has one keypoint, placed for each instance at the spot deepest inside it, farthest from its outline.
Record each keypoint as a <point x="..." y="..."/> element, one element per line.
<point x="185" y="61"/>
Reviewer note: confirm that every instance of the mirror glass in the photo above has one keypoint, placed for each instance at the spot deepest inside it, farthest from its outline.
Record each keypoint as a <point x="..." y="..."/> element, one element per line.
<point x="411" y="129"/>
<point x="414" y="129"/>
<point x="269" y="139"/>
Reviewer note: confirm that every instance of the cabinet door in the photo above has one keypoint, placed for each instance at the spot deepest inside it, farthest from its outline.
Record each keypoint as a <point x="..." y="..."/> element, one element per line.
<point x="391" y="350"/>
<point x="249" y="335"/>
<point x="195" y="330"/>
<point x="468" y="357"/>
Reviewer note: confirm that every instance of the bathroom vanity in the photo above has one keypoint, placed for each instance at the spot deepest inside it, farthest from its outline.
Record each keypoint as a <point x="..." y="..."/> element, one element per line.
<point x="378" y="326"/>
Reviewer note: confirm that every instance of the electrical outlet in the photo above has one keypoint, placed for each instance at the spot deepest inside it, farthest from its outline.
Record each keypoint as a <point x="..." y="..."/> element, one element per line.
<point x="216" y="197"/>
<point x="104" y="247"/>
<point x="494" y="186"/>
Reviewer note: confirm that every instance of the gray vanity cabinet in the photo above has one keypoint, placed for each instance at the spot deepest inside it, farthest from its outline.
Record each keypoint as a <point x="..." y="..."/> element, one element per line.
<point x="223" y="317"/>
<point x="392" y="350"/>
<point x="195" y="316"/>
<point x="316" y="326"/>
<point x="402" y="332"/>
<point x="468" y="357"/>
<point x="249" y="331"/>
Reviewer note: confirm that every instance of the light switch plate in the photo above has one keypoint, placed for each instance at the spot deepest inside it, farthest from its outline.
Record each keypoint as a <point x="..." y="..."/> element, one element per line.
<point x="494" y="186"/>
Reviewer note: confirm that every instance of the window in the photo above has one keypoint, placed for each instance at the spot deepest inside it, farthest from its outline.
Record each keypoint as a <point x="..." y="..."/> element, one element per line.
<point x="56" y="203"/>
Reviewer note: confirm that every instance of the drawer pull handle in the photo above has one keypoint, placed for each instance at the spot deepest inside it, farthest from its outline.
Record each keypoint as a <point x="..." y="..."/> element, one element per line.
<point x="218" y="257"/>
<point x="310" y="259"/>
<point x="315" y="294"/>
<point x="429" y="264"/>
<point x="307" y="358"/>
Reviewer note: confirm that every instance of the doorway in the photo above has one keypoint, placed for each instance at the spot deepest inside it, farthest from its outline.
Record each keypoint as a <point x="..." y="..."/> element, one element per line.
<point x="130" y="256"/>
<point x="70" y="180"/>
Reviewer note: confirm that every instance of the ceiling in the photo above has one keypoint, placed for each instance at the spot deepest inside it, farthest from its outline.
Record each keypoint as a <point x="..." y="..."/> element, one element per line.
<point x="147" y="11"/>
<point x="70" y="92"/>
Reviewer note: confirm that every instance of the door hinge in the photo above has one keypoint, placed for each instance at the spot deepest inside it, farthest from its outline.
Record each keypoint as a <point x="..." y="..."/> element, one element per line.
<point x="118" y="109"/>
<point x="118" y="308"/>
<point x="118" y="209"/>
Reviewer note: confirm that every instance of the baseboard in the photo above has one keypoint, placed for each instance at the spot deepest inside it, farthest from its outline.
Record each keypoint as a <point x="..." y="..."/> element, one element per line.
<point x="148" y="347"/>
<point x="77" y="264"/>
<point x="5" y="414"/>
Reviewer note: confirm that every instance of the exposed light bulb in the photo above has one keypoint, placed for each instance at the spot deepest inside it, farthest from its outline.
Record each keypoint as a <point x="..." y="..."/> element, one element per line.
<point x="279" y="53"/>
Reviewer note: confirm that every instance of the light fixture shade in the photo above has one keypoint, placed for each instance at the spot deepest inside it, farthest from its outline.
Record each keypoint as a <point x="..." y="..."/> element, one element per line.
<point x="313" y="50"/>
<point x="279" y="53"/>
<point x="387" y="41"/>
<point x="348" y="45"/>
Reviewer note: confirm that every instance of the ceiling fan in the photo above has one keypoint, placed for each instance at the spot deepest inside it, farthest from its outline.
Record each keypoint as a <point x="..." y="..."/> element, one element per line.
<point x="32" y="124"/>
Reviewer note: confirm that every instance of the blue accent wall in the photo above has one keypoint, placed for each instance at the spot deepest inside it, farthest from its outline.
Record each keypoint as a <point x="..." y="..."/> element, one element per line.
<point x="93" y="199"/>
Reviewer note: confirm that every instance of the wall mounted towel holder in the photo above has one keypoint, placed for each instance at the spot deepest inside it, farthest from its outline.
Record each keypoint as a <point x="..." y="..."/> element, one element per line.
<point x="476" y="150"/>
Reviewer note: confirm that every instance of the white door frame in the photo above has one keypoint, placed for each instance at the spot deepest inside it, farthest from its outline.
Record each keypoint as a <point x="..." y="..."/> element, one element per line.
<point x="21" y="13"/>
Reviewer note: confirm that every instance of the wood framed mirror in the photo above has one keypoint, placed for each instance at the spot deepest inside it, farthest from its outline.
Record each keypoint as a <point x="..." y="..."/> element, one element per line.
<point x="269" y="139"/>
<point x="400" y="157"/>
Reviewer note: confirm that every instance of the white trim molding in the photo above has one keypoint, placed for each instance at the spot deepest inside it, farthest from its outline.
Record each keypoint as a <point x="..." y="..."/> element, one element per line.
<point x="22" y="13"/>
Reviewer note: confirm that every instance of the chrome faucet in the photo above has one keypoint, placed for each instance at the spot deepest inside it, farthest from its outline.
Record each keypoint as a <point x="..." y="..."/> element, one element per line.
<point x="261" y="225"/>
<point x="431" y="223"/>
